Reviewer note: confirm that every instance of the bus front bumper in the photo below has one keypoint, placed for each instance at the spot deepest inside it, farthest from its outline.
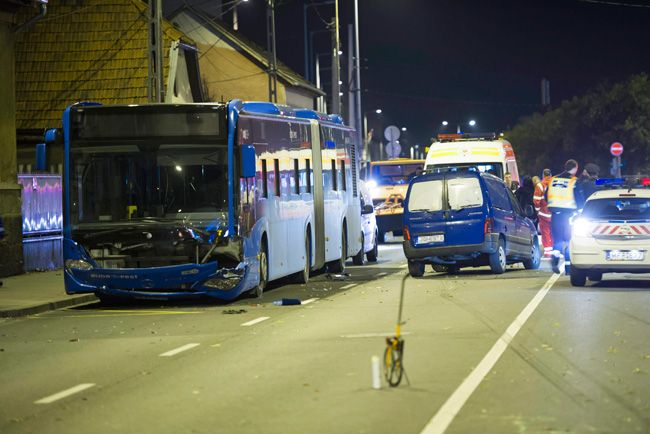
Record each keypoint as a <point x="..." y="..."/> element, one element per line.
<point x="159" y="283"/>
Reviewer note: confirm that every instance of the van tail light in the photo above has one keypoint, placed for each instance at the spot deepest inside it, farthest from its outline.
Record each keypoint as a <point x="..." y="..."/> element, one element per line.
<point x="407" y="234"/>
<point x="489" y="226"/>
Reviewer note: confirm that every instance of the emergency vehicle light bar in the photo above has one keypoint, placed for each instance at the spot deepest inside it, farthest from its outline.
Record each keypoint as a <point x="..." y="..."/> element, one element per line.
<point x="466" y="136"/>
<point x="627" y="181"/>
<point x="610" y="181"/>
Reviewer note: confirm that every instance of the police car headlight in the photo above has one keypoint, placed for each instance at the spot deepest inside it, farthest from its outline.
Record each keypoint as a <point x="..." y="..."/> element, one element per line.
<point x="78" y="264"/>
<point x="581" y="227"/>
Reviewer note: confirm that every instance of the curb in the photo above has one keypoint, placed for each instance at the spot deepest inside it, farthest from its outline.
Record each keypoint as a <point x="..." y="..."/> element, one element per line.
<point x="46" y="307"/>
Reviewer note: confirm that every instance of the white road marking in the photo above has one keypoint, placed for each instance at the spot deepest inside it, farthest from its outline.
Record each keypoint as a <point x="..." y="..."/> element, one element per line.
<point x="311" y="300"/>
<point x="71" y="391"/>
<point x="373" y="335"/>
<point x="446" y="414"/>
<point x="179" y="350"/>
<point x="348" y="286"/>
<point x="255" y="321"/>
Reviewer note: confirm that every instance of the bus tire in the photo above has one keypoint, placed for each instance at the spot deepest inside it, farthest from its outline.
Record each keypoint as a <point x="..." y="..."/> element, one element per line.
<point x="358" y="258"/>
<point x="302" y="277"/>
<point x="338" y="266"/>
<point x="258" y="290"/>
<point x="374" y="253"/>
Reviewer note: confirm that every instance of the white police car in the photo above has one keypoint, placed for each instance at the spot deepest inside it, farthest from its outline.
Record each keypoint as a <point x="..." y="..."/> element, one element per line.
<point x="611" y="234"/>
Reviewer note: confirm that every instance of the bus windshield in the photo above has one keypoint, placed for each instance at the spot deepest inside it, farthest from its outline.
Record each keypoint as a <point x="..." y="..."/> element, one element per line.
<point x="123" y="181"/>
<point x="392" y="174"/>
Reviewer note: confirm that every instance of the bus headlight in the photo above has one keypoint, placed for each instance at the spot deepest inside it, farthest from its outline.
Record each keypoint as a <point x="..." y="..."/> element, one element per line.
<point x="78" y="264"/>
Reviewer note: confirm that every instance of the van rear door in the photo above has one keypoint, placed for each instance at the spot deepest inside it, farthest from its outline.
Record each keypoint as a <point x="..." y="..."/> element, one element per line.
<point x="425" y="213"/>
<point x="467" y="211"/>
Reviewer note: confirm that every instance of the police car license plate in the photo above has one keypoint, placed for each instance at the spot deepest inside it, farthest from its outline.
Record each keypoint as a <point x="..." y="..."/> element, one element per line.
<point x="624" y="255"/>
<point x="428" y="239"/>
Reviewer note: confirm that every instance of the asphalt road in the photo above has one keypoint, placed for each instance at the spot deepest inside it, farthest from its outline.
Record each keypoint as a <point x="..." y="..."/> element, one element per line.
<point x="521" y="352"/>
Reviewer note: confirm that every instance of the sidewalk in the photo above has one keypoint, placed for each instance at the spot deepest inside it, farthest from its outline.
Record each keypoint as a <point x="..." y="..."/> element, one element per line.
<point x="36" y="292"/>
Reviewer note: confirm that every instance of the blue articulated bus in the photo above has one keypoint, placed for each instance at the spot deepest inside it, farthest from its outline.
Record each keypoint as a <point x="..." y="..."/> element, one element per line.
<point x="169" y="201"/>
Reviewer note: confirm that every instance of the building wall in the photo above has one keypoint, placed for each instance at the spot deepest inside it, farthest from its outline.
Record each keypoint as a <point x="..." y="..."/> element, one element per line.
<point x="11" y="253"/>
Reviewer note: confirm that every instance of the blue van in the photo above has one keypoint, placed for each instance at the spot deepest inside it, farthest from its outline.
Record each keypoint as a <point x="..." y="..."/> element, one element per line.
<point x="466" y="219"/>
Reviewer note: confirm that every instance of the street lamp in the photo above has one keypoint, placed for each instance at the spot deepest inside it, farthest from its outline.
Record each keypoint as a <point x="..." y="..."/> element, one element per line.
<point x="472" y="123"/>
<point x="403" y="128"/>
<point x="378" y="111"/>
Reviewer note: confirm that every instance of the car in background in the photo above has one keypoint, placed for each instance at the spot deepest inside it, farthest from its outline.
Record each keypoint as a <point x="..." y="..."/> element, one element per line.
<point x="387" y="182"/>
<point x="466" y="218"/>
<point x="370" y="244"/>
<point x="611" y="234"/>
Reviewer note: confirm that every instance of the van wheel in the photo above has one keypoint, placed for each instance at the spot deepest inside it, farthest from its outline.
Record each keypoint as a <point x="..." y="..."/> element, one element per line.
<point x="453" y="269"/>
<point x="595" y="276"/>
<point x="578" y="277"/>
<point x="358" y="258"/>
<point x="374" y="253"/>
<point x="498" y="259"/>
<point x="439" y="268"/>
<point x="535" y="257"/>
<point x="416" y="269"/>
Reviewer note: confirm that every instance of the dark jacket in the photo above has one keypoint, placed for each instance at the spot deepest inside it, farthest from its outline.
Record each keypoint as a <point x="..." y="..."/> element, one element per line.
<point x="525" y="193"/>
<point x="585" y="187"/>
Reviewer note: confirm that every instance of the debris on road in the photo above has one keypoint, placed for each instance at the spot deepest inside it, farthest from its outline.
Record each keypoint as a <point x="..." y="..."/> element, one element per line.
<point x="343" y="276"/>
<point x="234" y="311"/>
<point x="287" y="302"/>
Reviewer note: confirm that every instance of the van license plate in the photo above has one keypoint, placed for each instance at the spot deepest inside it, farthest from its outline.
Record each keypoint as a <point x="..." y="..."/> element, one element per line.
<point x="428" y="239"/>
<point x="624" y="255"/>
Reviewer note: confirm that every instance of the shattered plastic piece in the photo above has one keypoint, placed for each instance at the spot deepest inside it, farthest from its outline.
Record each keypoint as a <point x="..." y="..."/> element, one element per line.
<point x="343" y="276"/>
<point x="287" y="302"/>
<point x="233" y="311"/>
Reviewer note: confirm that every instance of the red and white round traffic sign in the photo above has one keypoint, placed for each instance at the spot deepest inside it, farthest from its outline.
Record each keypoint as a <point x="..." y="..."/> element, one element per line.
<point x="616" y="149"/>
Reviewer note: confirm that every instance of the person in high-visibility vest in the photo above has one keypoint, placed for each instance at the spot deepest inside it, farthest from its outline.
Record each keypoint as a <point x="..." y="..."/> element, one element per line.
<point x="560" y="197"/>
<point x="543" y="213"/>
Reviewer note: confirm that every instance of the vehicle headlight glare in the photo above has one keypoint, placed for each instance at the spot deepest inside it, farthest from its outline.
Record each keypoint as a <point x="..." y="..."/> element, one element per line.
<point x="581" y="227"/>
<point x="78" y="264"/>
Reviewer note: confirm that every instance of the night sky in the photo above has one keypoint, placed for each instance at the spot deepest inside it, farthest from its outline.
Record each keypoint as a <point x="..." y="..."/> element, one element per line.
<point x="425" y="61"/>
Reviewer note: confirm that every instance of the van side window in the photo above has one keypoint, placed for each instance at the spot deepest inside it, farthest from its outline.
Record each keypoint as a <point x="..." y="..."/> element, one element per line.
<point x="515" y="203"/>
<point x="498" y="194"/>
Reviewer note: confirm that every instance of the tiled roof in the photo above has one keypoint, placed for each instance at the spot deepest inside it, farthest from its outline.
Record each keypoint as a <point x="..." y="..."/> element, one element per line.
<point x="92" y="50"/>
<point x="248" y="47"/>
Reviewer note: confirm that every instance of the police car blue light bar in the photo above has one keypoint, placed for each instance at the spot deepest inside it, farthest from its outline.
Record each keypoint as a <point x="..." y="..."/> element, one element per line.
<point x="610" y="181"/>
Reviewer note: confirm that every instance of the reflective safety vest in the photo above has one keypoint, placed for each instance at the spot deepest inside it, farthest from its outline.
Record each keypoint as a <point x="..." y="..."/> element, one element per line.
<point x="560" y="193"/>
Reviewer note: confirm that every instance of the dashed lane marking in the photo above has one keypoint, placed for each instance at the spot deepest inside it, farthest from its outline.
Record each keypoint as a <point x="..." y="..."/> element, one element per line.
<point x="348" y="286"/>
<point x="311" y="300"/>
<point x="255" y="321"/>
<point x="65" y="393"/>
<point x="446" y="414"/>
<point x="175" y="351"/>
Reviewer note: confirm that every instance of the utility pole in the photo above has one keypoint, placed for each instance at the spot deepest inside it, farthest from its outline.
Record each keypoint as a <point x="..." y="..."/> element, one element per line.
<point x="357" y="82"/>
<point x="336" y="66"/>
<point x="270" y="47"/>
<point x="155" y="88"/>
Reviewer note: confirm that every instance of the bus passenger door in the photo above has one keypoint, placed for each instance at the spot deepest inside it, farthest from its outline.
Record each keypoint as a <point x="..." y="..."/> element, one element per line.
<point x="319" y="200"/>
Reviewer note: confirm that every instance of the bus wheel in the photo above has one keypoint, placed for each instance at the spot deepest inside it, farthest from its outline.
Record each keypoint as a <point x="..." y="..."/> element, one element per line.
<point x="264" y="273"/>
<point x="302" y="277"/>
<point x="358" y="258"/>
<point x="338" y="266"/>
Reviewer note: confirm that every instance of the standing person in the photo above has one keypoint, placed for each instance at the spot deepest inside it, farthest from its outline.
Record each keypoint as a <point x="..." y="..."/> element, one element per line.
<point x="560" y="196"/>
<point x="524" y="194"/>
<point x="586" y="185"/>
<point x="507" y="178"/>
<point x="543" y="213"/>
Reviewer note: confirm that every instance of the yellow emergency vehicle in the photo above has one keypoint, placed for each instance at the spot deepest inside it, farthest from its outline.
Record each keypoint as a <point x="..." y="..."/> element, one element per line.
<point x="485" y="152"/>
<point x="388" y="181"/>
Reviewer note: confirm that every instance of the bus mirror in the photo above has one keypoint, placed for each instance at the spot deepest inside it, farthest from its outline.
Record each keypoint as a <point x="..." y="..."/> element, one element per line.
<point x="247" y="154"/>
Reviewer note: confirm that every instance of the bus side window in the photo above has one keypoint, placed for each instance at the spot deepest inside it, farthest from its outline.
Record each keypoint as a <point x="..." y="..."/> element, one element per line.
<point x="343" y="180"/>
<point x="296" y="174"/>
<point x="265" y="180"/>
<point x="308" y="175"/>
<point x="334" y="175"/>
<point x="276" y="167"/>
